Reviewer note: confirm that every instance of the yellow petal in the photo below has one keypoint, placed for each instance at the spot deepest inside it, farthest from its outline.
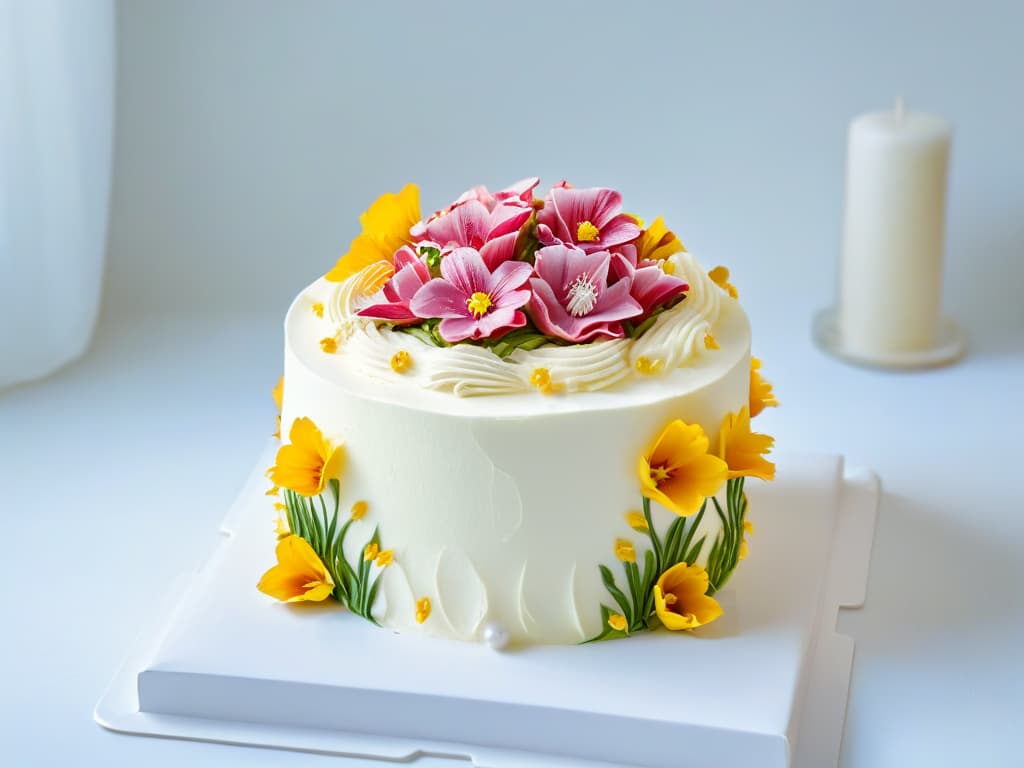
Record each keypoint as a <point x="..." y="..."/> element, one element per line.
<point x="744" y="450"/>
<point x="386" y="226"/>
<point x="617" y="622"/>
<point x="299" y="574"/>
<point x="689" y="606"/>
<point x="278" y="392"/>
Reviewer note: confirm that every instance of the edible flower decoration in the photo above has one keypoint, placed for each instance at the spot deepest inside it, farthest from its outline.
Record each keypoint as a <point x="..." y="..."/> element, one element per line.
<point x="386" y="227"/>
<point x="308" y="461"/>
<point x="590" y="219"/>
<point x="472" y="301"/>
<point x="678" y="472"/>
<point x="411" y="274"/>
<point x="673" y="583"/>
<point x="681" y="600"/>
<point x="761" y="395"/>
<point x="572" y="299"/>
<point x="569" y="268"/>
<point x="742" y="450"/>
<point x="299" y="575"/>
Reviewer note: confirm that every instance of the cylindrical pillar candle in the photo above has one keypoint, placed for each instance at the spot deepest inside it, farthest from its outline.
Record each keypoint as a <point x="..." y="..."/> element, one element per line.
<point x="890" y="278"/>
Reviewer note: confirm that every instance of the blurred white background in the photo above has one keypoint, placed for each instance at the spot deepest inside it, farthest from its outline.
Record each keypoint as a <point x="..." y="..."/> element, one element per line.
<point x="249" y="136"/>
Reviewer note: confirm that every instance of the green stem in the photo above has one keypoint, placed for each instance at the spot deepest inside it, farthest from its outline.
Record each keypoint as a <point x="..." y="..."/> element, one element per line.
<point x="655" y="541"/>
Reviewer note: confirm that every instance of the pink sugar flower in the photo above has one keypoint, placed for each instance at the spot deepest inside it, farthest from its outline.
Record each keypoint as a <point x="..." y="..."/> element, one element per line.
<point x="473" y="301"/>
<point x="572" y="298"/>
<point x="411" y="274"/>
<point x="590" y="219"/>
<point x="519" y="193"/>
<point x="650" y="286"/>
<point x="471" y="225"/>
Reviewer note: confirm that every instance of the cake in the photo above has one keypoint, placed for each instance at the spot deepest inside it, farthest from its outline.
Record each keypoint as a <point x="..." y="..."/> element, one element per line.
<point x="519" y="419"/>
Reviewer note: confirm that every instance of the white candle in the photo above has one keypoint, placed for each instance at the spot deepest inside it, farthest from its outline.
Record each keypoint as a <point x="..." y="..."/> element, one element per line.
<point x="890" y="280"/>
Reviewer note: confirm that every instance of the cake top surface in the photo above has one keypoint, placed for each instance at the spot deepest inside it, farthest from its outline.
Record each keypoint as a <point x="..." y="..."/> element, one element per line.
<point x="506" y="294"/>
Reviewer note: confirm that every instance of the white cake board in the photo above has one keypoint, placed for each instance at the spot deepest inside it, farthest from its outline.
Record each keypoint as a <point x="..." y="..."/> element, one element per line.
<point x="764" y="686"/>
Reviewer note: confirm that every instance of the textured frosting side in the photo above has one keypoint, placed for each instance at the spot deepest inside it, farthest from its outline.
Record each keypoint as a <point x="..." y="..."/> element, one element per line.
<point x="500" y="509"/>
<point x="466" y="370"/>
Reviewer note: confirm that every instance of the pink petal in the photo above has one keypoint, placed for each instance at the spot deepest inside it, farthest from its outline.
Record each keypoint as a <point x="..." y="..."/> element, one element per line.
<point x="467" y="225"/>
<point x="398" y="313"/>
<point x="617" y="231"/>
<point x="508" y="218"/>
<point x="522" y="189"/>
<point x="465" y="269"/>
<point x="499" y="250"/>
<point x="455" y="329"/>
<point x="439" y="298"/>
<point x="508" y="277"/>
<point x="499" y="322"/>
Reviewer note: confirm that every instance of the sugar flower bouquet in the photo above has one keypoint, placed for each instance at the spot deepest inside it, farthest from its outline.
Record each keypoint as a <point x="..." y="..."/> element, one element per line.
<point x="508" y="270"/>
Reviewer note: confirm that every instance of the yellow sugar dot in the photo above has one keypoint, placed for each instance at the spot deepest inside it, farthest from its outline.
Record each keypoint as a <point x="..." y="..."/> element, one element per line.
<point x="540" y="378"/>
<point x="329" y="345"/>
<point x="318" y="309"/>
<point x="710" y="342"/>
<point x="668" y="267"/>
<point x="401" y="361"/>
<point x="647" y="367"/>
<point x="422" y="609"/>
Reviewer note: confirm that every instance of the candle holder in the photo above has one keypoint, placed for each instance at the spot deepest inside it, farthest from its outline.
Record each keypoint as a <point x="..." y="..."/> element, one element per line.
<point x="950" y="345"/>
<point x="887" y="313"/>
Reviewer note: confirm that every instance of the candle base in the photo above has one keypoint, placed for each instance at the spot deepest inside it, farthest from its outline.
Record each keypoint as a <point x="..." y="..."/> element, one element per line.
<point x="950" y="345"/>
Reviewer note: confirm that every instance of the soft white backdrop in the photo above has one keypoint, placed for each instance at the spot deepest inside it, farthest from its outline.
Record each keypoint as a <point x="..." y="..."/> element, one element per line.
<point x="250" y="136"/>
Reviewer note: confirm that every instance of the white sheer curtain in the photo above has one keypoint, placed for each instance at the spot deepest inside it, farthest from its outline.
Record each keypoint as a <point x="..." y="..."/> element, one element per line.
<point x="56" y="132"/>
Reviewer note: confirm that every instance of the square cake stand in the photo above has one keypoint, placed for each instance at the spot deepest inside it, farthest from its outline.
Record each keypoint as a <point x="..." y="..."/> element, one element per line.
<point x="765" y="685"/>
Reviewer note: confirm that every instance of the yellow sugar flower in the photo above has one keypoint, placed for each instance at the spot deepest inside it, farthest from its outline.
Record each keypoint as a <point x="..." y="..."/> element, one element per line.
<point x="658" y="242"/>
<point x="625" y="551"/>
<point x="710" y="342"/>
<point x="385" y="558"/>
<point x="386" y="226"/>
<point x="744" y="450"/>
<point x="274" y="491"/>
<point x="678" y="472"/>
<point x="422" y="609"/>
<point x="720" y="277"/>
<point x="637" y="521"/>
<point x="370" y="552"/>
<point x="278" y="394"/>
<point x="359" y="510"/>
<point x="281" y="528"/>
<point x="308" y="461"/>
<point x="617" y="622"/>
<point x="681" y="600"/>
<point x="299" y="574"/>
<point x="401" y="361"/>
<point x="761" y="395"/>
<point x="279" y="506"/>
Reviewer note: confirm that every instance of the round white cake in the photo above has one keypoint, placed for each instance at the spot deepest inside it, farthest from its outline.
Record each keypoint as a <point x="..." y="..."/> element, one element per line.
<point x="516" y="421"/>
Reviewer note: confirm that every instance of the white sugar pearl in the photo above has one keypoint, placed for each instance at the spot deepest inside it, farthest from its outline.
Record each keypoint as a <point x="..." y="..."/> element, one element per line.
<point x="495" y="636"/>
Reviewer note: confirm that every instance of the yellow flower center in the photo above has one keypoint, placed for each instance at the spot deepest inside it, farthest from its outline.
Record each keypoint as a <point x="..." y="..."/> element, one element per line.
<point x="587" y="232"/>
<point x="479" y="303"/>
<point x="660" y="474"/>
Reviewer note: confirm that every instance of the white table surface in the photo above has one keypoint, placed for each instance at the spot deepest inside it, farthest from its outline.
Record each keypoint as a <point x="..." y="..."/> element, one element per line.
<point x="113" y="471"/>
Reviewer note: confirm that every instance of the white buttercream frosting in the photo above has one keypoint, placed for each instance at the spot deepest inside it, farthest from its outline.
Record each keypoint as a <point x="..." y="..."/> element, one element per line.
<point x="501" y="508"/>
<point x="675" y="338"/>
